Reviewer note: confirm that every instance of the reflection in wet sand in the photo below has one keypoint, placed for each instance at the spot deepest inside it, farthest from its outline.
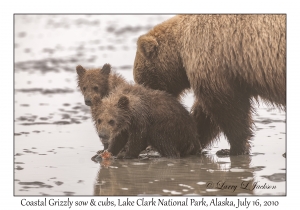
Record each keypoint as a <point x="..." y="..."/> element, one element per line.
<point x="191" y="176"/>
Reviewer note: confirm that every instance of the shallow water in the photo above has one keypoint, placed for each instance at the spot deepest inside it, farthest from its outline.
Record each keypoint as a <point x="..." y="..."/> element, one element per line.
<point x="55" y="138"/>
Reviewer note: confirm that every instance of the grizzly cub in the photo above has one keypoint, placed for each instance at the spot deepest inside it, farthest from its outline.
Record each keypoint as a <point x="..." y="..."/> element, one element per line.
<point x="145" y="117"/>
<point x="97" y="82"/>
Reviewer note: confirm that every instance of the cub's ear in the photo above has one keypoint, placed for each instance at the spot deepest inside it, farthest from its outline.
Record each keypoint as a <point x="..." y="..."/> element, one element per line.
<point x="80" y="70"/>
<point x="123" y="102"/>
<point x="106" y="68"/>
<point x="147" y="45"/>
<point x="96" y="101"/>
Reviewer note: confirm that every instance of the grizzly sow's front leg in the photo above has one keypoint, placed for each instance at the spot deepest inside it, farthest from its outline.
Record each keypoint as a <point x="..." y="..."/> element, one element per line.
<point x="232" y="114"/>
<point x="207" y="128"/>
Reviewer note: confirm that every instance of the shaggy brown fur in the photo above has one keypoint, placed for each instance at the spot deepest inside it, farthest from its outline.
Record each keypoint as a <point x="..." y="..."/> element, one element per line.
<point x="97" y="82"/>
<point x="226" y="59"/>
<point x="148" y="117"/>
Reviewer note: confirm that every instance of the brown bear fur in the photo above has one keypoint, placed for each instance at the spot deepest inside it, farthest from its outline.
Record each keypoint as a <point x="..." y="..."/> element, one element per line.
<point x="227" y="60"/>
<point x="97" y="82"/>
<point x="148" y="117"/>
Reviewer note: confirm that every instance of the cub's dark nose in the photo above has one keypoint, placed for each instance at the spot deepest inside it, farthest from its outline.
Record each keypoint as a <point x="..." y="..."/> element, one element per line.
<point x="103" y="136"/>
<point x="88" y="102"/>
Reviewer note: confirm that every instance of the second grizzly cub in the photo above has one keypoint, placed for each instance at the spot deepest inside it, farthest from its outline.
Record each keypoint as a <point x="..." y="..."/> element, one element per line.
<point x="146" y="117"/>
<point x="97" y="82"/>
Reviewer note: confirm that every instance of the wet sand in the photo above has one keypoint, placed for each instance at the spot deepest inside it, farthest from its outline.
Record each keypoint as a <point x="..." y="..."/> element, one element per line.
<point x="54" y="137"/>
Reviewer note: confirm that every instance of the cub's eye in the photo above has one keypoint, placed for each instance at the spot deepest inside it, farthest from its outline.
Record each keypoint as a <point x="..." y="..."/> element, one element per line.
<point x="95" y="88"/>
<point x="111" y="122"/>
<point x="98" y="121"/>
<point x="84" y="88"/>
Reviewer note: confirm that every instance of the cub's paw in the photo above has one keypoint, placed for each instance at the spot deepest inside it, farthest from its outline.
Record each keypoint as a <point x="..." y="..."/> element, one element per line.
<point x="223" y="152"/>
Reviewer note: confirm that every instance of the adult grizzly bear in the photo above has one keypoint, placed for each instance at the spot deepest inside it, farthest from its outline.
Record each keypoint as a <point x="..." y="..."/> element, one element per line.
<point x="227" y="60"/>
<point x="147" y="117"/>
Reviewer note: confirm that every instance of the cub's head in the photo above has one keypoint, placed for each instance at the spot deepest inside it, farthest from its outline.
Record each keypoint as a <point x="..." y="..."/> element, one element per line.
<point x="111" y="116"/>
<point x="93" y="82"/>
<point x="158" y="65"/>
